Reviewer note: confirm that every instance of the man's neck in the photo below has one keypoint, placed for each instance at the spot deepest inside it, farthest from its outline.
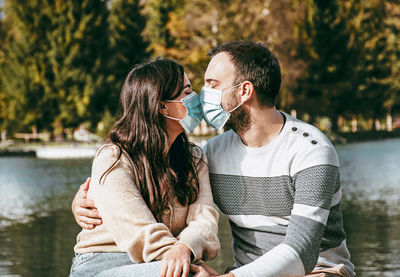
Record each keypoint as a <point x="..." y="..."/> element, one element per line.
<point x="266" y="124"/>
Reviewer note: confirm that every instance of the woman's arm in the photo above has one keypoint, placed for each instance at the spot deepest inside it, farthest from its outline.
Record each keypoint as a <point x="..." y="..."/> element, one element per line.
<point x="124" y="212"/>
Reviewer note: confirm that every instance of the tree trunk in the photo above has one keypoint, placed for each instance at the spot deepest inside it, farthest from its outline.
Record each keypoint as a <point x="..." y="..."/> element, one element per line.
<point x="3" y="136"/>
<point x="293" y="113"/>
<point x="58" y="132"/>
<point x="336" y="124"/>
<point x="354" y="124"/>
<point x="389" y="122"/>
<point x="378" y="125"/>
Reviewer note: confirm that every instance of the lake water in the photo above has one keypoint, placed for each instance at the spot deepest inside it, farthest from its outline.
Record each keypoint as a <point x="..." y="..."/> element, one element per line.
<point x="37" y="229"/>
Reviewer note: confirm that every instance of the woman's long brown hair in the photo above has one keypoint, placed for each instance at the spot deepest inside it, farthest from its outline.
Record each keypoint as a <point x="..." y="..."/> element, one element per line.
<point x="141" y="134"/>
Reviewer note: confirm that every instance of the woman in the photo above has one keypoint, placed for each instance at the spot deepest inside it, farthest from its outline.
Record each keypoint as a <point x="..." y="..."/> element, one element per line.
<point x="149" y="184"/>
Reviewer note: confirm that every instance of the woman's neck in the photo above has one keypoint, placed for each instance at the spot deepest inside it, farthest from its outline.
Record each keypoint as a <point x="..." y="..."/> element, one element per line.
<point x="172" y="135"/>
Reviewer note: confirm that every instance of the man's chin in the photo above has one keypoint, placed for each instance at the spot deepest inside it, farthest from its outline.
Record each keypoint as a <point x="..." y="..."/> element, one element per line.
<point x="239" y="121"/>
<point x="229" y="125"/>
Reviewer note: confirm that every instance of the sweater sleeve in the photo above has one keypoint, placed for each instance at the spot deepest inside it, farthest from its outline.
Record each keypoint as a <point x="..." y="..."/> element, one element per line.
<point x="123" y="210"/>
<point x="314" y="188"/>
<point x="200" y="235"/>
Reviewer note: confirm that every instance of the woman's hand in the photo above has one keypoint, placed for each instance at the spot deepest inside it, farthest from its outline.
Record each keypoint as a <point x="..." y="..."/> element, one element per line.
<point x="85" y="213"/>
<point x="176" y="262"/>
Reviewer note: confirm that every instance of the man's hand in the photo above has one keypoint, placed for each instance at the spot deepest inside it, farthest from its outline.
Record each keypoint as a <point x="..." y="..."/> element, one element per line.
<point x="176" y="262"/>
<point x="85" y="213"/>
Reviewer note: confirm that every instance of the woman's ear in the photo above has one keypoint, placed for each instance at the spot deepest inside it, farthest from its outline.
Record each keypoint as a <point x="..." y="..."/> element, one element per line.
<point x="163" y="109"/>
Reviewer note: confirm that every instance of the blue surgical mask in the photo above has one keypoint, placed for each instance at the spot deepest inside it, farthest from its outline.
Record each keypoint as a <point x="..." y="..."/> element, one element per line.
<point x="194" y="112"/>
<point x="213" y="113"/>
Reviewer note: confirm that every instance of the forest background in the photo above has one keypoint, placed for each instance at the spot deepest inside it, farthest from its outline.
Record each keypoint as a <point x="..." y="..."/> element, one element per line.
<point x="63" y="62"/>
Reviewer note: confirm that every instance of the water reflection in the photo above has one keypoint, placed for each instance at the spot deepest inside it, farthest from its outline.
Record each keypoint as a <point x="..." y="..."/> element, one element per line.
<point x="34" y="186"/>
<point x="370" y="172"/>
<point x="37" y="230"/>
<point x="373" y="237"/>
<point x="41" y="247"/>
<point x="370" y="177"/>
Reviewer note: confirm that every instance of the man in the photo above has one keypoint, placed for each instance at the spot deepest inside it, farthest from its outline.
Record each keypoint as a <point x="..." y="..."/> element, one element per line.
<point x="275" y="177"/>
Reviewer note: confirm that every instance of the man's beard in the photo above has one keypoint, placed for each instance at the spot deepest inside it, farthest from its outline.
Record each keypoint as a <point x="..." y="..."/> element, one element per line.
<point x="239" y="121"/>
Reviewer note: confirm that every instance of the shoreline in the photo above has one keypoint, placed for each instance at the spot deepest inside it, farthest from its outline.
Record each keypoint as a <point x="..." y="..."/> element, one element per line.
<point x="52" y="150"/>
<point x="17" y="153"/>
<point x="363" y="136"/>
<point x="71" y="149"/>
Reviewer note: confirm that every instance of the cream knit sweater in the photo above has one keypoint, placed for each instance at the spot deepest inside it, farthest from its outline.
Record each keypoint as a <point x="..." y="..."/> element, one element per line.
<point x="128" y="224"/>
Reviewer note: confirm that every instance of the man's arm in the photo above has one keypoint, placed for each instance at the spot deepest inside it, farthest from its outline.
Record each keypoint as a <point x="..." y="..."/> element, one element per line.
<point x="314" y="185"/>
<point x="84" y="210"/>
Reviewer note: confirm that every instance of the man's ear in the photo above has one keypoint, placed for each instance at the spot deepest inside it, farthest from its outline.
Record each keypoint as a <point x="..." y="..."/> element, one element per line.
<point x="247" y="91"/>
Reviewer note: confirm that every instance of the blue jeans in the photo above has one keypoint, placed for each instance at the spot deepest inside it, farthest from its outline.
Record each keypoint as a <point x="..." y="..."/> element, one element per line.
<point x="104" y="264"/>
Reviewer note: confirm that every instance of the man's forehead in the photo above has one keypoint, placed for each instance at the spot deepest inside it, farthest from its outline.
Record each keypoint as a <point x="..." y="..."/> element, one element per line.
<point x="220" y="68"/>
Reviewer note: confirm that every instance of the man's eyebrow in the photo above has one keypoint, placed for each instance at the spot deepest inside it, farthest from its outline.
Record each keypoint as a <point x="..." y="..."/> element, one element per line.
<point x="187" y="86"/>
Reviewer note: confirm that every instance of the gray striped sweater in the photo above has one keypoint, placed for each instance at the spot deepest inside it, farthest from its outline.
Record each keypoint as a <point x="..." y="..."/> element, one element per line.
<point x="282" y="200"/>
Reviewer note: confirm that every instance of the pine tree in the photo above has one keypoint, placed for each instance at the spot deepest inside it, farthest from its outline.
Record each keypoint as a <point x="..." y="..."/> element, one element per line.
<point x="326" y="87"/>
<point x="393" y="25"/>
<point x="27" y="69"/>
<point x="55" y="60"/>
<point x="5" y="112"/>
<point x="79" y="52"/>
<point x="379" y="66"/>
<point x="128" y="46"/>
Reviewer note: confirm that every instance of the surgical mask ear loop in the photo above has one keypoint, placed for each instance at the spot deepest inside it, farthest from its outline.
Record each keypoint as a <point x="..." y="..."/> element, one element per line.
<point x="237" y="105"/>
<point x="172" y="101"/>
<point x="194" y="112"/>
<point x="173" y="118"/>
<point x="228" y="89"/>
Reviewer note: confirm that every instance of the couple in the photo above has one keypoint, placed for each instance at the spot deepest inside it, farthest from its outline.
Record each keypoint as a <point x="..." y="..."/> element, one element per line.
<point x="149" y="207"/>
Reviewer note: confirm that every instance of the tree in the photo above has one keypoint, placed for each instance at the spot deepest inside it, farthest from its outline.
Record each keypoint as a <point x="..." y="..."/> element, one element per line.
<point x="186" y="30"/>
<point x="393" y="23"/>
<point x="24" y="70"/>
<point x="158" y="31"/>
<point x="5" y="111"/>
<point x="379" y="64"/>
<point x="326" y="87"/>
<point x="79" y="51"/>
<point x="55" y="59"/>
<point x="128" y="46"/>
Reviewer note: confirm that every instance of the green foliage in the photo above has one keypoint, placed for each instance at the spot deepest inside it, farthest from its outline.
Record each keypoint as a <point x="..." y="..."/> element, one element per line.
<point x="326" y="87"/>
<point x="5" y="115"/>
<point x="351" y="53"/>
<point x="64" y="62"/>
<point x="128" y="46"/>
<point x="54" y="59"/>
<point x="158" y="31"/>
<point x="380" y="46"/>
